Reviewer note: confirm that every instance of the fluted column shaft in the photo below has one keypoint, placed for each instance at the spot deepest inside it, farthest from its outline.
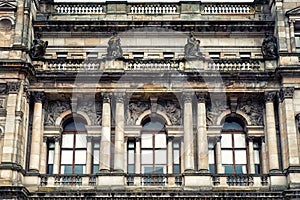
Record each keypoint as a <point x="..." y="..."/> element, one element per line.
<point x="119" y="133"/>
<point x="36" y="138"/>
<point x="56" y="160"/>
<point x="271" y="132"/>
<point x="105" y="146"/>
<point x="251" y="155"/>
<point x="188" y="133"/>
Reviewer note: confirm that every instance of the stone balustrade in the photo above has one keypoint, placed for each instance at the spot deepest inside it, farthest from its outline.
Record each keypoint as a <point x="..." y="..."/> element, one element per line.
<point x="153" y="9"/>
<point x="71" y="180"/>
<point x="154" y="180"/>
<point x="240" y="180"/>
<point x="218" y="9"/>
<point x="153" y="65"/>
<point x="78" y="9"/>
<point x="73" y="65"/>
<point x="234" y="65"/>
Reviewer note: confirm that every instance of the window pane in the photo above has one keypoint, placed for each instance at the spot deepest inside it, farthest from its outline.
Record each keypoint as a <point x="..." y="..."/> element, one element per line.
<point x="95" y="168"/>
<point x="256" y="157"/>
<point x="80" y="141"/>
<point x="148" y="169"/>
<point x="211" y="157"/>
<point x="176" y="145"/>
<point x="212" y="168"/>
<point x="96" y="157"/>
<point x="226" y="141"/>
<point x="228" y="169"/>
<point x="50" y="156"/>
<point x="66" y="157"/>
<point x="50" y="169"/>
<point x="211" y="145"/>
<point x="241" y="169"/>
<point x="51" y="145"/>
<point x="239" y="140"/>
<point x="130" y="156"/>
<point x="131" y="145"/>
<point x="160" y="170"/>
<point x="257" y="169"/>
<point x="160" y="141"/>
<point x="227" y="157"/>
<point x="147" y="141"/>
<point x="130" y="169"/>
<point x="66" y="169"/>
<point x="240" y="157"/>
<point x="160" y="157"/>
<point x="176" y="169"/>
<point x="147" y="157"/>
<point x="232" y="126"/>
<point x="80" y="157"/>
<point x="176" y="158"/>
<point x="79" y="169"/>
<point x="96" y="145"/>
<point x="67" y="141"/>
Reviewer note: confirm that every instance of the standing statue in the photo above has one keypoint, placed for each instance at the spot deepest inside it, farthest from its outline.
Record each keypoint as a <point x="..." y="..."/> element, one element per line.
<point x="192" y="48"/>
<point x="114" y="49"/>
<point x="269" y="47"/>
<point x="38" y="47"/>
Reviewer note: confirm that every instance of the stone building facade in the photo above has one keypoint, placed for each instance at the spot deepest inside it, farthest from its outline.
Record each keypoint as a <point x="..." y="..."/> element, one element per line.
<point x="148" y="100"/>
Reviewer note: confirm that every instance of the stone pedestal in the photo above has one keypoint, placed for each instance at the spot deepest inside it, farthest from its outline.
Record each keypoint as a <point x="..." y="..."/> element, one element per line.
<point x="114" y="65"/>
<point x="196" y="181"/>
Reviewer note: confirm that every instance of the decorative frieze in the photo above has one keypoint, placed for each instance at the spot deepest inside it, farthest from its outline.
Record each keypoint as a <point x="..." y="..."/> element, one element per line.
<point x="38" y="96"/>
<point x="3" y="88"/>
<point x="13" y="87"/>
<point x="287" y="92"/>
<point x="270" y="96"/>
<point x="214" y="110"/>
<point x="54" y="109"/>
<point x="254" y="109"/>
<point x="135" y="109"/>
<point x="172" y="110"/>
<point x="92" y="109"/>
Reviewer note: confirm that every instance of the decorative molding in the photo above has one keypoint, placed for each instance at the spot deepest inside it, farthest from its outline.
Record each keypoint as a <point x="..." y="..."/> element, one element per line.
<point x="270" y="96"/>
<point x="120" y="97"/>
<point x="201" y="97"/>
<point x="294" y="11"/>
<point x="187" y="97"/>
<point x="93" y="109"/>
<point x="134" y="110"/>
<point x="13" y="87"/>
<point x="3" y="88"/>
<point x="287" y="92"/>
<point x="172" y="110"/>
<point x="106" y="97"/>
<point x="54" y="109"/>
<point x="254" y="108"/>
<point x="214" y="110"/>
<point x="39" y="97"/>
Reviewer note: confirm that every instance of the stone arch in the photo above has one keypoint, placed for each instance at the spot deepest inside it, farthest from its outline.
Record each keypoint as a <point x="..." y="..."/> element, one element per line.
<point x="238" y="114"/>
<point x="6" y="22"/>
<point x="68" y="114"/>
<point x="148" y="112"/>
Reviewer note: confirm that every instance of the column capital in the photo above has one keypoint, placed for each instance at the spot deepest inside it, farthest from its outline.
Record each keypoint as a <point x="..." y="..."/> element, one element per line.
<point x="89" y="138"/>
<point x="201" y="97"/>
<point x="39" y="97"/>
<point x="218" y="138"/>
<point x="120" y="97"/>
<point x="137" y="139"/>
<point x="106" y="97"/>
<point x="270" y="96"/>
<point x="170" y="138"/>
<point x="286" y="93"/>
<point x="250" y="138"/>
<point x="13" y="87"/>
<point x="263" y="140"/>
<point x="45" y="139"/>
<point x="187" y="97"/>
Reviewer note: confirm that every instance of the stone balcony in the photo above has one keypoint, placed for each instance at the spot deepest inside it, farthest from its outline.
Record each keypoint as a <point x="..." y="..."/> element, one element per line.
<point x="150" y="65"/>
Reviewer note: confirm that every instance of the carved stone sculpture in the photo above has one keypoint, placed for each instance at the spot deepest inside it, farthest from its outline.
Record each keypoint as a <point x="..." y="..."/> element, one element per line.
<point x="93" y="110"/>
<point x="54" y="109"/>
<point x="192" y="48"/>
<point x="114" y="49"/>
<point x="254" y="110"/>
<point x="214" y="110"/>
<point x="269" y="47"/>
<point x="172" y="111"/>
<point x="38" y="47"/>
<point x="135" y="109"/>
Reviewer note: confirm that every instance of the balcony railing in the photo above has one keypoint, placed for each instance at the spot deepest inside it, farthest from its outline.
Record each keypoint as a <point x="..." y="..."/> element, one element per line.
<point x="235" y="65"/>
<point x="153" y="65"/>
<point x="67" y="180"/>
<point x="248" y="180"/>
<point x="73" y="65"/>
<point x="154" y="9"/>
<point x="79" y="9"/>
<point x="223" y="9"/>
<point x="154" y="180"/>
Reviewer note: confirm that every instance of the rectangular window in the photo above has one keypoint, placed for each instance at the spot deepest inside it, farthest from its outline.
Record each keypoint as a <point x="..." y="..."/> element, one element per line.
<point x="176" y="157"/>
<point x="96" y="156"/>
<point x="211" y="157"/>
<point x="256" y="148"/>
<point x="214" y="55"/>
<point x="131" y="157"/>
<point x="50" y="162"/>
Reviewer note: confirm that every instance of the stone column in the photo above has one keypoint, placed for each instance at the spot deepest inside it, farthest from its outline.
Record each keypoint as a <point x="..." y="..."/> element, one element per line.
<point x="125" y="154"/>
<point x="219" y="169"/>
<point x="271" y="132"/>
<point x="264" y="161"/>
<point x="137" y="156"/>
<point x="288" y="118"/>
<point x="36" y="132"/>
<point x="89" y="155"/>
<point x="188" y="133"/>
<point x="202" y="135"/>
<point x="43" y="163"/>
<point x="170" y="155"/>
<point x="105" y="145"/>
<point x="56" y="160"/>
<point x="292" y="36"/>
<point x="251" y="155"/>
<point x="119" y="133"/>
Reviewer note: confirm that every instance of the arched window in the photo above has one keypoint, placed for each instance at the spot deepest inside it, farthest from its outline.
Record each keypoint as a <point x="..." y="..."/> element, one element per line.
<point x="234" y="147"/>
<point x="154" y="147"/>
<point x="73" y="148"/>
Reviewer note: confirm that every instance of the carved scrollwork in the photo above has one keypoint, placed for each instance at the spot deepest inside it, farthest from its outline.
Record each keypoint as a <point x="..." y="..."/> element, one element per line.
<point x="173" y="111"/>
<point x="254" y="109"/>
<point x="92" y="109"/>
<point x="135" y="109"/>
<point x="54" y="109"/>
<point x="214" y="110"/>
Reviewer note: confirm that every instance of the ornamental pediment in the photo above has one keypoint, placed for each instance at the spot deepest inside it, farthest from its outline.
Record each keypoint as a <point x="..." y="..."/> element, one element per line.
<point x="294" y="11"/>
<point x="6" y="5"/>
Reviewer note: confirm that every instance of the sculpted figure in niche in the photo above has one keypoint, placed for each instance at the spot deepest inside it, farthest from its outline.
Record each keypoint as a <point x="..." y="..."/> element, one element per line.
<point x="269" y="47"/>
<point x="173" y="113"/>
<point x="38" y="47"/>
<point x="114" y="49"/>
<point x="192" y="48"/>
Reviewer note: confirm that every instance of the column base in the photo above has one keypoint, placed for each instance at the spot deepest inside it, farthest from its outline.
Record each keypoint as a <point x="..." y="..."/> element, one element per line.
<point x="204" y="171"/>
<point x="197" y="181"/>
<point x="103" y="171"/>
<point x="277" y="180"/>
